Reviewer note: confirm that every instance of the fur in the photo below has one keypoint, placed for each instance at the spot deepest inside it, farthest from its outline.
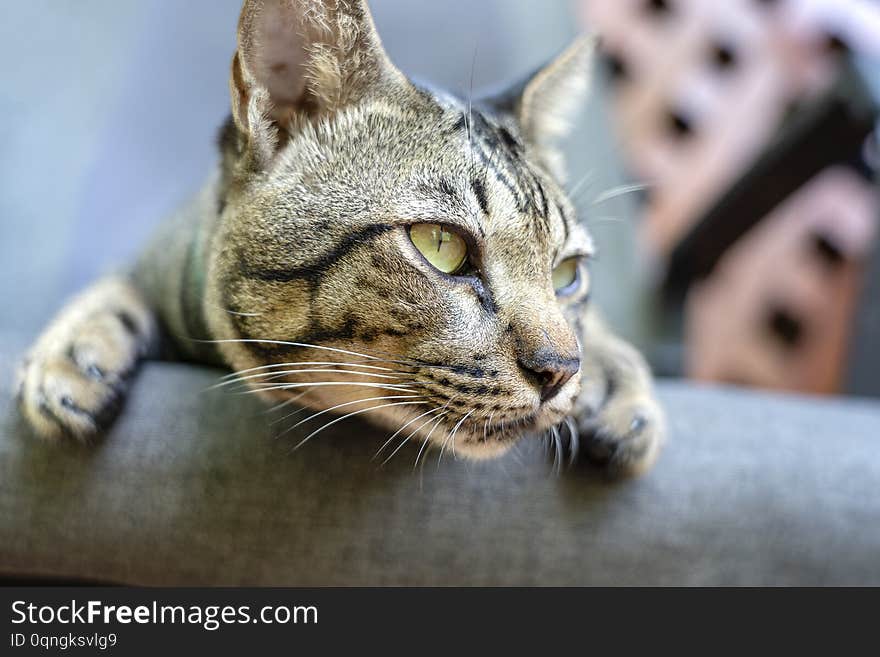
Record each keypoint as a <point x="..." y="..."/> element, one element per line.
<point x="294" y="267"/>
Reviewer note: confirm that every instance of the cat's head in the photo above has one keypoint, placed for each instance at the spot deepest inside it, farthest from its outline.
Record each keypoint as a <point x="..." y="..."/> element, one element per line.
<point x="382" y="246"/>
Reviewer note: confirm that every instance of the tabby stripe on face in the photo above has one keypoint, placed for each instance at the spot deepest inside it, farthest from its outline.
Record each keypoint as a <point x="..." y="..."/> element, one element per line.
<point x="483" y="129"/>
<point x="500" y="141"/>
<point x="315" y="271"/>
<point x="479" y="188"/>
<point x="502" y="177"/>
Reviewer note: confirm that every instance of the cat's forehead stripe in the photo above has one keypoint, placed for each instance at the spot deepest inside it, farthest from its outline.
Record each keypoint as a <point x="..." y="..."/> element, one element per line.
<point x="479" y="189"/>
<point x="502" y="156"/>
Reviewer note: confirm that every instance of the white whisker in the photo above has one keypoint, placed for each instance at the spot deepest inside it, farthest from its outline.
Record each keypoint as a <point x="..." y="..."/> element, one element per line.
<point x="293" y="386"/>
<point x="349" y="403"/>
<point x="620" y="190"/>
<point x="580" y="183"/>
<point x="276" y="375"/>
<point x="314" y="363"/>
<point x="486" y="426"/>
<point x="406" y="440"/>
<point x="454" y="431"/>
<point x="470" y="114"/>
<point x="305" y="345"/>
<point x="574" y="440"/>
<point x="424" y="444"/>
<point x="292" y="414"/>
<point x="557" y="457"/>
<point x="302" y="345"/>
<point x="443" y="448"/>
<point x="286" y="402"/>
<point x="352" y="414"/>
<point x="397" y="433"/>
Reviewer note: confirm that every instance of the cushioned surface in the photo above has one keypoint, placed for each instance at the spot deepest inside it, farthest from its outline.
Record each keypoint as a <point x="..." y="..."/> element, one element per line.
<point x="191" y="488"/>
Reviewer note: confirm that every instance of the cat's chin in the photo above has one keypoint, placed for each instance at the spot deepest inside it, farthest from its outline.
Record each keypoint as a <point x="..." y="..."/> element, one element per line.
<point x="485" y="451"/>
<point x="496" y="444"/>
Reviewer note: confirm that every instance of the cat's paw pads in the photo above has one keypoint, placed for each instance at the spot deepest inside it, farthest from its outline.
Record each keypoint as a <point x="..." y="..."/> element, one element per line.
<point x="624" y="437"/>
<point x="72" y="386"/>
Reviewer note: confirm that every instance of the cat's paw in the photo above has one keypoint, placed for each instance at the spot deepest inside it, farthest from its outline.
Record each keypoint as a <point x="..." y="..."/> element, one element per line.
<point x="625" y="436"/>
<point x="73" y="381"/>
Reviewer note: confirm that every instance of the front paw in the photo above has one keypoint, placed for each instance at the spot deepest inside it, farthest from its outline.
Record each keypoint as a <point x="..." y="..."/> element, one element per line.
<point x="625" y="436"/>
<point x="72" y="385"/>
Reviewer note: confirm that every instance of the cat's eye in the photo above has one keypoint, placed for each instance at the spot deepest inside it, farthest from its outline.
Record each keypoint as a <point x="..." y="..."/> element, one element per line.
<point x="567" y="275"/>
<point x="443" y="248"/>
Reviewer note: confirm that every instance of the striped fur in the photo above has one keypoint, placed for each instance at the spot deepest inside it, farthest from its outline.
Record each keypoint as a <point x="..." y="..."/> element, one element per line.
<point x="297" y="250"/>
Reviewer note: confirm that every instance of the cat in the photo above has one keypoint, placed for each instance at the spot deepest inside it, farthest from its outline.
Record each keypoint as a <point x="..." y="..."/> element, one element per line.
<point x="372" y="247"/>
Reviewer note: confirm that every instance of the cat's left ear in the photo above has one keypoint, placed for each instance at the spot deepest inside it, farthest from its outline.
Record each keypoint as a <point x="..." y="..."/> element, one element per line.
<point x="548" y="101"/>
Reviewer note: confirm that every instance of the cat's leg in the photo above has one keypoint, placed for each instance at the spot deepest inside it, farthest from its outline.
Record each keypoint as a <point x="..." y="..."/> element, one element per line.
<point x="76" y="375"/>
<point x="620" y="422"/>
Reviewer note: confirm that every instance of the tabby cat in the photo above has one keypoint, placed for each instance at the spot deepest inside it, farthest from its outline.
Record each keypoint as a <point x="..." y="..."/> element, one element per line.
<point x="371" y="247"/>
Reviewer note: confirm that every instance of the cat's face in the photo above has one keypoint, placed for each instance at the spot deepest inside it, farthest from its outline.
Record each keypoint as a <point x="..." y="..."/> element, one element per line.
<point x="401" y="255"/>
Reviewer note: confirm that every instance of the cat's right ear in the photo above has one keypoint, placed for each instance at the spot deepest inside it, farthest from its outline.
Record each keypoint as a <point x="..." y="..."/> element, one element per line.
<point x="299" y="60"/>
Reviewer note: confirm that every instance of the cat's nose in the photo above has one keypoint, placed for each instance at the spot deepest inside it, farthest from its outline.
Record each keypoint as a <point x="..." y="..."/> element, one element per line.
<point x="550" y="370"/>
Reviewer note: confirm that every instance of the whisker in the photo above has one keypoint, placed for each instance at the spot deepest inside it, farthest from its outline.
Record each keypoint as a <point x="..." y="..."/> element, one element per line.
<point x="580" y="183"/>
<point x="305" y="345"/>
<point x="348" y="415"/>
<point x="349" y="403"/>
<point x="574" y="440"/>
<point x="443" y="448"/>
<point x="406" y="440"/>
<point x="424" y="444"/>
<point x="286" y="402"/>
<point x="448" y="434"/>
<point x="470" y="115"/>
<point x="312" y="363"/>
<point x="557" y="458"/>
<point x="397" y="433"/>
<point x="302" y="345"/>
<point x="620" y="190"/>
<point x="415" y="364"/>
<point x="292" y="386"/>
<point x="454" y="431"/>
<point x="276" y="375"/>
<point x="292" y="414"/>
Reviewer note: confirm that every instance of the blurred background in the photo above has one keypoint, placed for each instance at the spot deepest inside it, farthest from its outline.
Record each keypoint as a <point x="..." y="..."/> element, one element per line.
<point x="751" y="125"/>
<point x="725" y="164"/>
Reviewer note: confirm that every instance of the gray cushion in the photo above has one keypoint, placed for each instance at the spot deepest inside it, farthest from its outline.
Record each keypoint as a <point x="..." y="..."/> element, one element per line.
<point x="191" y="488"/>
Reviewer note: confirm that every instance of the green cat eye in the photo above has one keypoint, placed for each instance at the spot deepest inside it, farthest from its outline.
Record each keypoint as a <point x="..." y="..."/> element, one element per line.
<point x="566" y="275"/>
<point x="444" y="249"/>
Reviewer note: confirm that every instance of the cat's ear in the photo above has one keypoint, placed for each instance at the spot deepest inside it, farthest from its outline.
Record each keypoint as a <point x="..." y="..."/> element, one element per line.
<point x="298" y="60"/>
<point x="548" y="101"/>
